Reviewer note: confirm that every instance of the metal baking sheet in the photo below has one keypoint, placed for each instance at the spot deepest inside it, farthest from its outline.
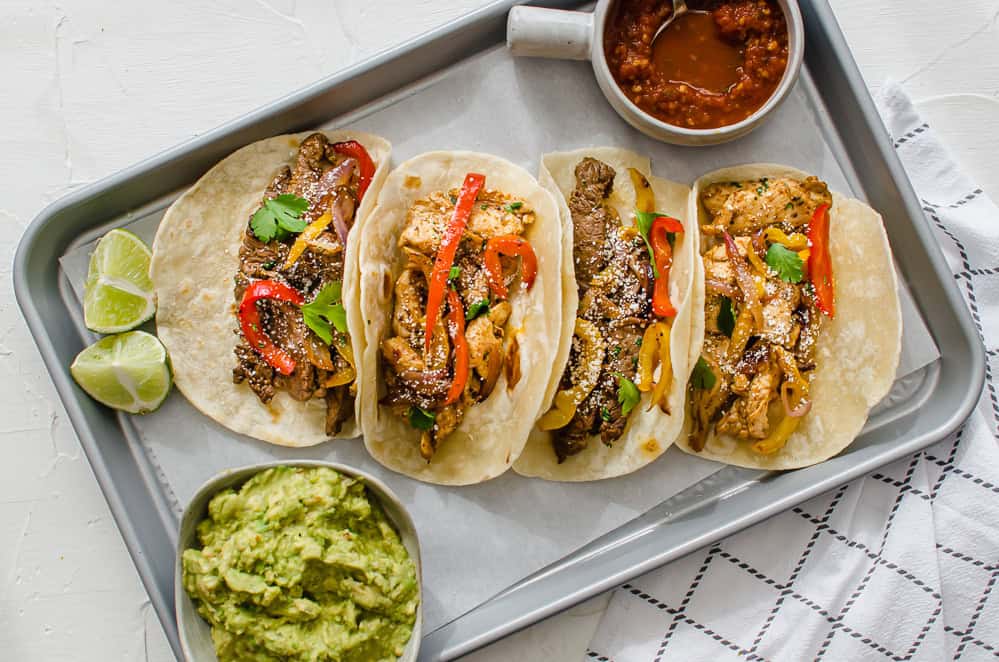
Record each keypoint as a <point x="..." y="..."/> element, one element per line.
<point x="454" y="80"/>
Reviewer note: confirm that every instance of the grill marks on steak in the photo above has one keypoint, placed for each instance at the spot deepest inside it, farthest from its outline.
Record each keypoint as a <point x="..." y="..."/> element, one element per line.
<point x="614" y="279"/>
<point x="321" y="263"/>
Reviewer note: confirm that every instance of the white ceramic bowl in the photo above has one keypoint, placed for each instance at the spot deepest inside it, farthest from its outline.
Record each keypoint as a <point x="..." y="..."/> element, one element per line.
<point x="195" y="633"/>
<point x="539" y="32"/>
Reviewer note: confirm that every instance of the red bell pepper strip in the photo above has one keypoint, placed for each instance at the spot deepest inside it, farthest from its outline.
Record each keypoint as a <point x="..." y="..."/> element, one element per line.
<point x="456" y="329"/>
<point x="249" y="322"/>
<point x="448" y="248"/>
<point x="820" y="261"/>
<point x="365" y="165"/>
<point x="663" y="253"/>
<point x="509" y="244"/>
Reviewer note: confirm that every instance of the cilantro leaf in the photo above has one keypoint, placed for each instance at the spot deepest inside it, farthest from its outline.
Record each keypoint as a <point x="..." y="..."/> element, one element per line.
<point x="644" y="221"/>
<point x="702" y="377"/>
<point x="279" y="215"/>
<point x="627" y="395"/>
<point x="326" y="312"/>
<point x="476" y="309"/>
<point x="263" y="224"/>
<point x="785" y="262"/>
<point x="420" y="418"/>
<point x="726" y="317"/>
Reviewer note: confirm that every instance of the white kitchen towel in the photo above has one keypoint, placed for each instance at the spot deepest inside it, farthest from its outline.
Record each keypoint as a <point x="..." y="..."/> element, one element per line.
<point x="901" y="564"/>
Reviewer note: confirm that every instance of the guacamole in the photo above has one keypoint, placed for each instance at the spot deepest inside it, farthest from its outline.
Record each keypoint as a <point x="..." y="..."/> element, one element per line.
<point x="302" y="564"/>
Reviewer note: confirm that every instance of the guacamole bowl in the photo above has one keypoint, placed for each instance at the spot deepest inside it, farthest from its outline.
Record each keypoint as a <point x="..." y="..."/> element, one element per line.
<point x="195" y="632"/>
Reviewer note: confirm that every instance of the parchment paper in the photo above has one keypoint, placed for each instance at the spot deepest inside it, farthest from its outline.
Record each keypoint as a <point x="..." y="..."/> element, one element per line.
<point x="478" y="540"/>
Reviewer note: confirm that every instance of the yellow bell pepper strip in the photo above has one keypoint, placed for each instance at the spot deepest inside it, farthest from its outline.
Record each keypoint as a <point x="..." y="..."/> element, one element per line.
<point x="249" y="322"/>
<point x="347" y="375"/>
<point x="313" y="230"/>
<point x="795" y="387"/>
<point x="655" y="351"/>
<point x="645" y="197"/>
<point x="661" y="389"/>
<point x="591" y="359"/>
<point x="778" y="436"/>
<point x="448" y="249"/>
<point x="648" y="356"/>
<point x="795" y="242"/>
<point x="509" y="244"/>
<point x="754" y="259"/>
<point x="820" y="270"/>
<point x="456" y="329"/>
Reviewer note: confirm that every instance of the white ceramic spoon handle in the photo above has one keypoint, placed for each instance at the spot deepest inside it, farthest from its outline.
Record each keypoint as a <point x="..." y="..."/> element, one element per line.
<point x="540" y="32"/>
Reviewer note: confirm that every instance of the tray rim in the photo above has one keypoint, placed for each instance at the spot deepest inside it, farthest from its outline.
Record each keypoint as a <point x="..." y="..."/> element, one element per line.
<point x="229" y="135"/>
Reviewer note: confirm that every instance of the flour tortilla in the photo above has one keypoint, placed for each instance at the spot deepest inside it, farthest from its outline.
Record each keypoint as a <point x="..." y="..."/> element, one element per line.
<point x="196" y="256"/>
<point x="648" y="433"/>
<point x="492" y="432"/>
<point x="857" y="351"/>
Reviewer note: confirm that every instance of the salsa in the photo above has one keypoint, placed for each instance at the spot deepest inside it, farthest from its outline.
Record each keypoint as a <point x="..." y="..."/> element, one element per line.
<point x="712" y="67"/>
<point x="302" y="564"/>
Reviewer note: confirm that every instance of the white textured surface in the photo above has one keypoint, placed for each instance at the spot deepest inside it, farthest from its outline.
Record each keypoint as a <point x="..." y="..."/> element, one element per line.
<point x="91" y="87"/>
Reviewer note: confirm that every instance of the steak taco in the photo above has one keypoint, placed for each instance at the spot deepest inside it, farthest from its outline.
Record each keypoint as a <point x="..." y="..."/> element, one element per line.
<point x="253" y="267"/>
<point x="460" y="303"/>
<point x="801" y="323"/>
<point x="615" y="400"/>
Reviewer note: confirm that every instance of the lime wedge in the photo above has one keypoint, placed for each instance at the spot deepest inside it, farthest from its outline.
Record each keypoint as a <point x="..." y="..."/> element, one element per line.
<point x="127" y="371"/>
<point x="118" y="295"/>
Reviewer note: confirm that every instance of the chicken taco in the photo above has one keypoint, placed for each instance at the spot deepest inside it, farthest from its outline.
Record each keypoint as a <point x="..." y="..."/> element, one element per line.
<point x="615" y="400"/>
<point x="253" y="267"/>
<point x="460" y="303"/>
<point x="801" y="324"/>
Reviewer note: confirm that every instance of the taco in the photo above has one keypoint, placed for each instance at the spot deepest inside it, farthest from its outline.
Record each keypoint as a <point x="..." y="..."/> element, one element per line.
<point x="615" y="400"/>
<point x="801" y="324"/>
<point x="252" y="267"/>
<point x="460" y="303"/>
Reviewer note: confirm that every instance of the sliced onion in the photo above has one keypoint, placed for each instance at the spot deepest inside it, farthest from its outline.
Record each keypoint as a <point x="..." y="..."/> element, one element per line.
<point x="340" y="175"/>
<point x="797" y="412"/>
<point x="760" y="244"/>
<point x="343" y="208"/>
<point x="745" y="279"/>
<point x="722" y="288"/>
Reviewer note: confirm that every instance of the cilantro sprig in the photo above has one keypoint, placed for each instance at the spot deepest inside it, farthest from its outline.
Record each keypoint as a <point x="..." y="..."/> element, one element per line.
<point x="785" y="262"/>
<point x="326" y="312"/>
<point x="420" y="418"/>
<point x="278" y="217"/>
<point x="702" y="377"/>
<point x="644" y="221"/>
<point x="628" y="395"/>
